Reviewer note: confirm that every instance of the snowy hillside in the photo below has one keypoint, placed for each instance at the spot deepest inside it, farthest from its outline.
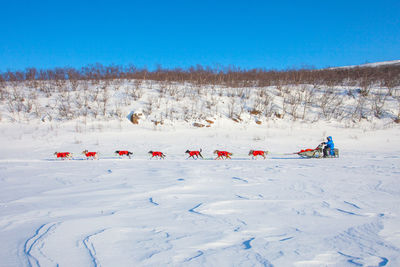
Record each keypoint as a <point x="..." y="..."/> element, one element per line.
<point x="169" y="103"/>
<point x="163" y="97"/>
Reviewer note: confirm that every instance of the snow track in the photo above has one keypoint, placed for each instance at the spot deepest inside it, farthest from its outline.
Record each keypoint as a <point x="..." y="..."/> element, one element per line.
<point x="275" y="212"/>
<point x="34" y="245"/>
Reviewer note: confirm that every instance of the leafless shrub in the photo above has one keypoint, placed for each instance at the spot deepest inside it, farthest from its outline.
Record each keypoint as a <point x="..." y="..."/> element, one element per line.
<point x="46" y="88"/>
<point x="64" y="106"/>
<point x="211" y="102"/>
<point x="15" y="106"/>
<point x="279" y="90"/>
<point x="163" y="87"/>
<point x="396" y="95"/>
<point x="285" y="105"/>
<point x="74" y="84"/>
<point x="172" y="90"/>
<point x="134" y="91"/>
<point x="38" y="110"/>
<point x="329" y="103"/>
<point x="3" y="91"/>
<point x="198" y="89"/>
<point x="61" y="84"/>
<point x="118" y="112"/>
<point x="378" y="102"/>
<point x="220" y="92"/>
<point x="28" y="105"/>
<point x="149" y="106"/>
<point x="258" y="102"/>
<point x="95" y="93"/>
<point x="307" y="98"/>
<point x="267" y="105"/>
<point x="103" y="99"/>
<point x="243" y="93"/>
<point x="186" y="114"/>
<point x="82" y="103"/>
<point x="365" y="87"/>
<point x="390" y="82"/>
<point x="351" y="93"/>
<point x="294" y="100"/>
<point x="231" y="108"/>
<point x="360" y="110"/>
<point x="16" y="94"/>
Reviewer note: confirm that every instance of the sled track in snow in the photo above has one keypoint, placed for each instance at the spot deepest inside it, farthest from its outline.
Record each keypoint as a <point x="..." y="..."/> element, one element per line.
<point x="32" y="243"/>
<point x="90" y="247"/>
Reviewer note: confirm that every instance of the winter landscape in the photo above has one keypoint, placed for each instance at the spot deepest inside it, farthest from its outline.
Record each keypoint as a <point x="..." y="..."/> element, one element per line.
<point x="281" y="211"/>
<point x="199" y="133"/>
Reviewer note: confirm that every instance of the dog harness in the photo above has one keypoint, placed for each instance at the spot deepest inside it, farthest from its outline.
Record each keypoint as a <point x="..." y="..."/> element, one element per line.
<point x="223" y="153"/>
<point x="90" y="154"/>
<point x="157" y="154"/>
<point x="258" y="153"/>
<point x="63" y="154"/>
<point x="194" y="153"/>
<point x="124" y="152"/>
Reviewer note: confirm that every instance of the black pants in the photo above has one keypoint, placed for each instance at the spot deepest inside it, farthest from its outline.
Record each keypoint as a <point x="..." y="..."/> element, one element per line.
<point x="327" y="151"/>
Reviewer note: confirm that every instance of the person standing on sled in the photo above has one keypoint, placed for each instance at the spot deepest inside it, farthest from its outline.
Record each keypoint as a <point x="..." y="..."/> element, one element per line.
<point x="329" y="146"/>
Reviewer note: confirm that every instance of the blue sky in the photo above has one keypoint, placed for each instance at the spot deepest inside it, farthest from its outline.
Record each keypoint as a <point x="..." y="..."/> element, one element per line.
<point x="247" y="34"/>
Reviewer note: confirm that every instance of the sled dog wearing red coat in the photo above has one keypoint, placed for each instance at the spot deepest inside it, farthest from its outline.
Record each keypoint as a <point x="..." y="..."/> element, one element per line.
<point x="92" y="155"/>
<point x="63" y="155"/>
<point x="123" y="153"/>
<point x="255" y="153"/>
<point x="222" y="154"/>
<point x="157" y="154"/>
<point x="194" y="153"/>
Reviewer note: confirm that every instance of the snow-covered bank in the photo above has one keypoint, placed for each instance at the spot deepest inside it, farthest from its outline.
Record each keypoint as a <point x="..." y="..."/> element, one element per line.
<point x="283" y="211"/>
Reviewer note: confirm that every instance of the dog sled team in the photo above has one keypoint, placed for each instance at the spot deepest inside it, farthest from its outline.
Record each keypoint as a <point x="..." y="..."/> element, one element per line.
<point x="323" y="150"/>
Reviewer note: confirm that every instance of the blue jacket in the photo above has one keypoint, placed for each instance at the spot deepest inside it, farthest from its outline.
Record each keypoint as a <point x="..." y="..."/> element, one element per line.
<point x="330" y="143"/>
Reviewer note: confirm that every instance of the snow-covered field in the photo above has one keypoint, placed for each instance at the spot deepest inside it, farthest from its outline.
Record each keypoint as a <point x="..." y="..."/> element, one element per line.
<point x="283" y="211"/>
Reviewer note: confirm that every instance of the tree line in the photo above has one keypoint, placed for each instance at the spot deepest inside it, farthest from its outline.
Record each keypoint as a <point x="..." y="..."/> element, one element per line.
<point x="384" y="75"/>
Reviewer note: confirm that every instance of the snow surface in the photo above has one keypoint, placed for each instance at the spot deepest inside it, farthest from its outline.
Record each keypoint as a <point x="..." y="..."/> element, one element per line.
<point x="373" y="65"/>
<point x="283" y="211"/>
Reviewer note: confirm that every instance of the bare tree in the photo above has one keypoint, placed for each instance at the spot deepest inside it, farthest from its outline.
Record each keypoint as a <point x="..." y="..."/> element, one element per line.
<point x="118" y="112"/>
<point x="294" y="99"/>
<point x="396" y="95"/>
<point x="360" y="111"/>
<point x="64" y="106"/>
<point x="231" y="108"/>
<point x="3" y="91"/>
<point x="149" y="106"/>
<point x="104" y="99"/>
<point x="378" y="102"/>
<point x="365" y="86"/>
<point x="329" y="102"/>
<point x="267" y="105"/>
<point x="307" y="98"/>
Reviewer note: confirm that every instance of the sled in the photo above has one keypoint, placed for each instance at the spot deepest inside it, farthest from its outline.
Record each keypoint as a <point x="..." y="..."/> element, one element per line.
<point x="318" y="152"/>
<point x="310" y="153"/>
<point x="333" y="153"/>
